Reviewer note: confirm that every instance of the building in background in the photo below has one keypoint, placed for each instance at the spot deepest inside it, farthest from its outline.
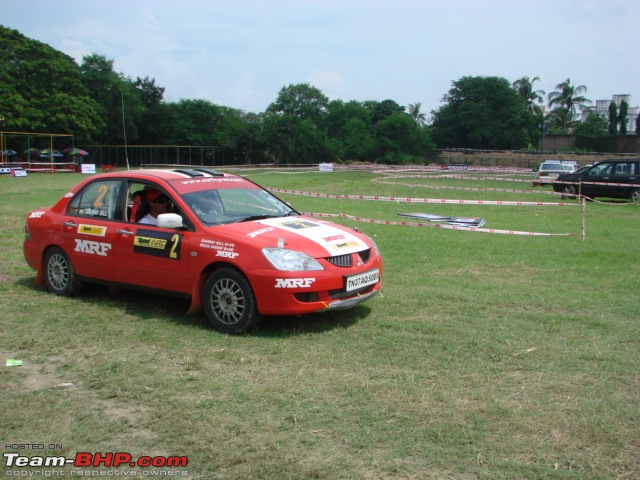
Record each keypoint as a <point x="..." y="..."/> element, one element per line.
<point x="602" y="108"/>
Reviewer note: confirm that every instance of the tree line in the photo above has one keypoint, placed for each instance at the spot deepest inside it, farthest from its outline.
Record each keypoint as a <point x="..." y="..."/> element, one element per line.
<point x="45" y="90"/>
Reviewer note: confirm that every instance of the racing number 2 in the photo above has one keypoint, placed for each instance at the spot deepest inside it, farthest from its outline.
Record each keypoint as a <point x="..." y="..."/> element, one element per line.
<point x="175" y="240"/>
<point x="102" y="192"/>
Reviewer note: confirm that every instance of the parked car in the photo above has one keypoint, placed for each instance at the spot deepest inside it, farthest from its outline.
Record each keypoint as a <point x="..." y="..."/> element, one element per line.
<point x="229" y="245"/>
<point x="616" y="178"/>
<point x="548" y="170"/>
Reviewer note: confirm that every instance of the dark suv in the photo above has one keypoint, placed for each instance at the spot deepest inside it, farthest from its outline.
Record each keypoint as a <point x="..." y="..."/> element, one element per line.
<point x="616" y="178"/>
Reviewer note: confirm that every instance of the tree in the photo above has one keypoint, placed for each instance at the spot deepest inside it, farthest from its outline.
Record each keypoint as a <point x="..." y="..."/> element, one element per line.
<point x="484" y="113"/>
<point x="413" y="109"/>
<point x="153" y="122"/>
<point x="592" y="134"/>
<point x="41" y="89"/>
<point x="350" y="125"/>
<point x="534" y="98"/>
<point x="400" y="140"/>
<point x="302" y="101"/>
<point x="112" y="92"/>
<point x="568" y="97"/>
<point x="613" y="118"/>
<point x="624" y="111"/>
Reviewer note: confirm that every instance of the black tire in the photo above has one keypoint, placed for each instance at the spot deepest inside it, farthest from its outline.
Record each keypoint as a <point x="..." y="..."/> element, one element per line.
<point x="568" y="191"/>
<point x="229" y="302"/>
<point x="635" y="196"/>
<point x="59" y="276"/>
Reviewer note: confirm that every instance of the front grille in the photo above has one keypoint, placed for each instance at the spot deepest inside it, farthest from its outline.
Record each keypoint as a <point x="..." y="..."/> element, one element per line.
<point x="340" y="260"/>
<point x="346" y="261"/>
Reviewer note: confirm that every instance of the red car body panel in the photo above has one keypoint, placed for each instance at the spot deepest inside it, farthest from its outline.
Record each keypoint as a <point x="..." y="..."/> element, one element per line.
<point x="116" y="251"/>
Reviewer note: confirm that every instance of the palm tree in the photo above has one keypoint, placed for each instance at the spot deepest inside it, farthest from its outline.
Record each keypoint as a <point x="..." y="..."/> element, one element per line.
<point x="568" y="97"/>
<point x="414" y="110"/>
<point x="524" y="87"/>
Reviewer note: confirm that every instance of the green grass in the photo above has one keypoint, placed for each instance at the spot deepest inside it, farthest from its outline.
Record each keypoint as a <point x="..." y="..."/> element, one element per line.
<point x="485" y="357"/>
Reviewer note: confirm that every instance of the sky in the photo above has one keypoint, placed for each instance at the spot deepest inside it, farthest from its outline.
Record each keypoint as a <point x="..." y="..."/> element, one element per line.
<point x="240" y="53"/>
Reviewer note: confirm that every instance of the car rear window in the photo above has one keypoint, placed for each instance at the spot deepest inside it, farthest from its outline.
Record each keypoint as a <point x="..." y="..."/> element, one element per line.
<point x="552" y="168"/>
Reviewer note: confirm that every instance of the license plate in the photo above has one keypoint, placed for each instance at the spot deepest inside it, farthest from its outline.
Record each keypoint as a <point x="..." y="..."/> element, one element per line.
<point x="362" y="280"/>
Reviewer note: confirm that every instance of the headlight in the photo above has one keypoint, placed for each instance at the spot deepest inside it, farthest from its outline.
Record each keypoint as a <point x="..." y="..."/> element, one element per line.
<point x="290" y="260"/>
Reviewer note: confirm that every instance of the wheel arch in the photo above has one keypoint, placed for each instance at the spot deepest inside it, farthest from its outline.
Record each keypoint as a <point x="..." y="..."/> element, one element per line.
<point x="198" y="286"/>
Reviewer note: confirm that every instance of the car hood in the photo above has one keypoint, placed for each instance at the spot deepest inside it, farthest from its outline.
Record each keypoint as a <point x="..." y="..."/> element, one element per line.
<point x="318" y="239"/>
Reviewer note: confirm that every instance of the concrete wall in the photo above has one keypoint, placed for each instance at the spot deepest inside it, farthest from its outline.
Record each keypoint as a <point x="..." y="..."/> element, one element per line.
<point x="621" y="143"/>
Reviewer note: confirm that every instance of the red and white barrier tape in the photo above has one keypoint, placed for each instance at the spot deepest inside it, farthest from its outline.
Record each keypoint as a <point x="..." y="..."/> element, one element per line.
<point x="417" y="200"/>
<point x="439" y="225"/>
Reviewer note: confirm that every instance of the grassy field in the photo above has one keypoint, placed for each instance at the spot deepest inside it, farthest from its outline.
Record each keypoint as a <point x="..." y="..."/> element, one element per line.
<point x="486" y="356"/>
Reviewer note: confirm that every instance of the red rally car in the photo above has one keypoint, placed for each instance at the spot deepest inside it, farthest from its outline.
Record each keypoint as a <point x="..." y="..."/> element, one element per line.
<point x="229" y="245"/>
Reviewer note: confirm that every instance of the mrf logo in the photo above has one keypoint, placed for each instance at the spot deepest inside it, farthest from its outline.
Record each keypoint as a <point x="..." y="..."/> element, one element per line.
<point x="294" y="282"/>
<point x="91" y="247"/>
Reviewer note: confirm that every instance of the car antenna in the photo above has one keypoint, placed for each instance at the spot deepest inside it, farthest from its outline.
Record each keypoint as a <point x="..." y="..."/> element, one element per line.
<point x="124" y="130"/>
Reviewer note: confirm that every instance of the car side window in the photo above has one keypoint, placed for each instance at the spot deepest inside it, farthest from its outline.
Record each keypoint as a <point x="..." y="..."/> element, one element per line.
<point x="622" y="169"/>
<point x="601" y="169"/>
<point x="98" y="200"/>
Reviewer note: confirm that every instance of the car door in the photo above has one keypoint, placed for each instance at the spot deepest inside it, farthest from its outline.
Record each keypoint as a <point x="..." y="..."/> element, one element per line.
<point x="152" y="257"/>
<point x="88" y="229"/>
<point x="594" y="181"/>
<point x="621" y="180"/>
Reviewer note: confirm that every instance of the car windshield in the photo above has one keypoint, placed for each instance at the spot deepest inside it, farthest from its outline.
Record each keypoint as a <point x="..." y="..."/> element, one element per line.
<point x="230" y="205"/>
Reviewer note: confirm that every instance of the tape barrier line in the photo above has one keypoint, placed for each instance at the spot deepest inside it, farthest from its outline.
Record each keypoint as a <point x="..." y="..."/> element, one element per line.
<point x="468" y="189"/>
<point x="630" y="185"/>
<point x="417" y="200"/>
<point x="438" y="225"/>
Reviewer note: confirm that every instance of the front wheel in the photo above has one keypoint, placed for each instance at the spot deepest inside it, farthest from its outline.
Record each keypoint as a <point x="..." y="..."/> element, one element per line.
<point x="635" y="196"/>
<point x="229" y="302"/>
<point x="568" y="191"/>
<point x="59" y="276"/>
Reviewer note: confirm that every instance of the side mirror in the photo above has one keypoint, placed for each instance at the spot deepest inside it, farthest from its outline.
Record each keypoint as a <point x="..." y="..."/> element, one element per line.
<point x="169" y="220"/>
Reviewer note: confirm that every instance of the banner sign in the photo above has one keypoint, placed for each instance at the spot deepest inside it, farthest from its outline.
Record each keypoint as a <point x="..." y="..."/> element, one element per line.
<point x="88" y="168"/>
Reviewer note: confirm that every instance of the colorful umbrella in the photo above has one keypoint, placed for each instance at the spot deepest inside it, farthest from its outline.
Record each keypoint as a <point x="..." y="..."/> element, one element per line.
<point x="76" y="151"/>
<point x="47" y="152"/>
<point x="32" y="151"/>
<point x="9" y="153"/>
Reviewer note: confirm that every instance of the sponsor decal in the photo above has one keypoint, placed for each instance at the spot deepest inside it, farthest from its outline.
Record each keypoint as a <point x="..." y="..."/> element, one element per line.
<point x="260" y="232"/>
<point x="36" y="214"/>
<point x="333" y="238"/>
<point x="91" y="247"/>
<point x="212" y="180"/>
<point x="92" y="230"/>
<point x="222" y="253"/>
<point x="294" y="282"/>
<point x="158" y="244"/>
<point x="298" y="224"/>
<point x="224" y="249"/>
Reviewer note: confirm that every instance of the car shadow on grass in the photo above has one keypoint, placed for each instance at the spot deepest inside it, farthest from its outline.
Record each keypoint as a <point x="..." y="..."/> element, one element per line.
<point x="145" y="305"/>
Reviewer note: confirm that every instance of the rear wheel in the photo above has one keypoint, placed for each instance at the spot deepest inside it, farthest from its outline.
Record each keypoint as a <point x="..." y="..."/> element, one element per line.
<point x="635" y="196"/>
<point x="59" y="276"/>
<point x="568" y="191"/>
<point x="229" y="302"/>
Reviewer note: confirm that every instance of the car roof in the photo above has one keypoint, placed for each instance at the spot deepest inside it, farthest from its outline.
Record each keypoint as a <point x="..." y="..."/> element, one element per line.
<point x="185" y="180"/>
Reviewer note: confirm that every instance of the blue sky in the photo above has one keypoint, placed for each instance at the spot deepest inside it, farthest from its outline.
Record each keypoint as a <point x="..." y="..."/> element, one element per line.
<point x="240" y="53"/>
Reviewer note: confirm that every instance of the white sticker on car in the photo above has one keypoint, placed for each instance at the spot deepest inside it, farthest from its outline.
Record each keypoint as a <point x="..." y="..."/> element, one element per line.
<point x="91" y="247"/>
<point x="334" y="240"/>
<point x="294" y="282"/>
